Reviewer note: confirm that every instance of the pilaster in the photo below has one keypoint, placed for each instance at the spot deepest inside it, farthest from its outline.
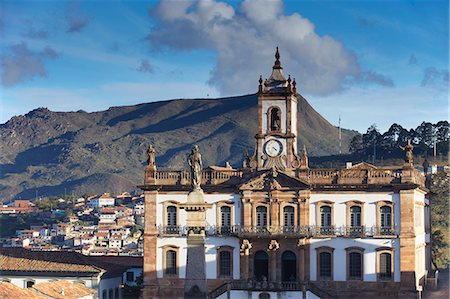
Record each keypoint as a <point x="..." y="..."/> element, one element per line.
<point x="407" y="240"/>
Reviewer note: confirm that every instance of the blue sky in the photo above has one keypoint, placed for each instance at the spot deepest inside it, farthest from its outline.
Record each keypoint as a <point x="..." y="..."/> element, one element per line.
<point x="368" y="61"/>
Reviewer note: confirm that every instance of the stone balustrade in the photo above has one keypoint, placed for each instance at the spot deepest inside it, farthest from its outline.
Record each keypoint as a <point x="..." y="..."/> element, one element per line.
<point x="313" y="176"/>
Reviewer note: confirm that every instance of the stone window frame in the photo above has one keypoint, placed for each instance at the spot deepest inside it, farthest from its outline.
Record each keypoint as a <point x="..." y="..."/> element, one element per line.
<point x="329" y="250"/>
<point x="379" y="251"/>
<point x="269" y="119"/>
<point x="167" y="204"/>
<point x="224" y="203"/>
<point x="379" y="204"/>
<point x="220" y="249"/>
<point x="350" y="250"/>
<point x="296" y="213"/>
<point x="255" y="206"/>
<point x="352" y="203"/>
<point x="320" y="204"/>
<point x="165" y="249"/>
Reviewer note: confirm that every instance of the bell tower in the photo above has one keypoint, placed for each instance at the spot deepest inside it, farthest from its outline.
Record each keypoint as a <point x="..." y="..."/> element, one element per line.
<point x="276" y="141"/>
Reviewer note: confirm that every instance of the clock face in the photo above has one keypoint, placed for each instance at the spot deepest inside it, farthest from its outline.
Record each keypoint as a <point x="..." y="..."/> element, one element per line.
<point x="273" y="148"/>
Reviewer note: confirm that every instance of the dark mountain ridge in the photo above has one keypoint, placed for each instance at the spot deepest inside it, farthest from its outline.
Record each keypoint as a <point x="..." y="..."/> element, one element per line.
<point x="49" y="153"/>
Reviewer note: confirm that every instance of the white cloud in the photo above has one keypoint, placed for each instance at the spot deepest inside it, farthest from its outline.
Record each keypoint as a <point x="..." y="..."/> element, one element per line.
<point x="245" y="41"/>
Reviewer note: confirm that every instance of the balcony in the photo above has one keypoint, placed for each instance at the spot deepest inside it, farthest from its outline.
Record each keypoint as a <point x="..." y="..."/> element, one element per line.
<point x="311" y="231"/>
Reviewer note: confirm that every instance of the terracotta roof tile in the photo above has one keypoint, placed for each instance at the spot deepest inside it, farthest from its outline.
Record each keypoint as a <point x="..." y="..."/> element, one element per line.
<point x="9" y="290"/>
<point x="63" y="289"/>
<point x="19" y="259"/>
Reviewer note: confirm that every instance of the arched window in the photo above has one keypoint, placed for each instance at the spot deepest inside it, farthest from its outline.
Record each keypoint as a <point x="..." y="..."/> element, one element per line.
<point x="104" y="295"/>
<point x="171" y="262"/>
<point x="261" y="217"/>
<point x="261" y="265"/>
<point x="275" y="119"/>
<point x="225" y="263"/>
<point x="288" y="266"/>
<point x="385" y="266"/>
<point x="355" y="270"/>
<point x="288" y="214"/>
<point x="355" y="216"/>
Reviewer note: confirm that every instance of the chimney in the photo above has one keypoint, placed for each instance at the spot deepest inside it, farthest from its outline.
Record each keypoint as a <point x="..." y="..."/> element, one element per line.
<point x="349" y="165"/>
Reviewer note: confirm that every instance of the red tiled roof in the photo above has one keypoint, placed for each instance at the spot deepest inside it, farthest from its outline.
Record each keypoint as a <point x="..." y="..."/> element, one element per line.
<point x="19" y="259"/>
<point x="9" y="290"/>
<point x="63" y="289"/>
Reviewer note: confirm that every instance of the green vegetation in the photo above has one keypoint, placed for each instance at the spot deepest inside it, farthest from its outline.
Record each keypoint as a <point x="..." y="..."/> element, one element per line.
<point x="10" y="223"/>
<point x="426" y="138"/>
<point x="439" y="202"/>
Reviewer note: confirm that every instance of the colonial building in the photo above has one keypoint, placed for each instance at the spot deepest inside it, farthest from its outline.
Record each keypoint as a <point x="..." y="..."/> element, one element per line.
<point x="277" y="228"/>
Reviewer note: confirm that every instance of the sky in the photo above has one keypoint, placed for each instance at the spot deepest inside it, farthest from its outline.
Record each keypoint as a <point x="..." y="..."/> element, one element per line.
<point x="367" y="62"/>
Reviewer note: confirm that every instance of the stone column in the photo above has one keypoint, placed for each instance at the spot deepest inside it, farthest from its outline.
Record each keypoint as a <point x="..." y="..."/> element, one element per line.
<point x="245" y="263"/>
<point x="407" y="240"/>
<point x="195" y="285"/>
<point x="151" y="288"/>
<point x="301" y="260"/>
<point x="273" y="269"/>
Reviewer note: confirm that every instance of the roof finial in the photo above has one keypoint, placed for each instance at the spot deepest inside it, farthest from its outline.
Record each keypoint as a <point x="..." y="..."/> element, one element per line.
<point x="277" y="61"/>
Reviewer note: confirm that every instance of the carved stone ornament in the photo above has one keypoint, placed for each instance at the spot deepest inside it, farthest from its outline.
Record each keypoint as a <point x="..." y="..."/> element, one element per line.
<point x="301" y="242"/>
<point x="274" y="245"/>
<point x="246" y="246"/>
<point x="195" y="162"/>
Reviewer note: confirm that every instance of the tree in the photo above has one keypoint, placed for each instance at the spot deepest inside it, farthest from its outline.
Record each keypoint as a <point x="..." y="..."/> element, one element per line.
<point x="356" y="145"/>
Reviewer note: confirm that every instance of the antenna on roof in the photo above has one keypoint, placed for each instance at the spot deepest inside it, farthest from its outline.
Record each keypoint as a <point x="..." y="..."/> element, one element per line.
<point x="340" y="135"/>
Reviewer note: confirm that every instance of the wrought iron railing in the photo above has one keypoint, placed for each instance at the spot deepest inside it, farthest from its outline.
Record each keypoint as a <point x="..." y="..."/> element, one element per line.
<point x="310" y="231"/>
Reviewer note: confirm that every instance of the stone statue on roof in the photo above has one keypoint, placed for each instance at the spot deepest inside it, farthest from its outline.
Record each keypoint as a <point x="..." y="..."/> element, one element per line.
<point x="195" y="162"/>
<point x="408" y="148"/>
<point x="151" y="155"/>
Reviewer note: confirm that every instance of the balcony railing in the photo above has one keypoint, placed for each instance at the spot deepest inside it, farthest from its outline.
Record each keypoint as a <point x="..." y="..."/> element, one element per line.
<point x="311" y="231"/>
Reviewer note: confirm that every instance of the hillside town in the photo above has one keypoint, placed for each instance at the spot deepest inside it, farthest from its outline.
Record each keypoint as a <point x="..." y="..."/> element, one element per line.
<point x="103" y="225"/>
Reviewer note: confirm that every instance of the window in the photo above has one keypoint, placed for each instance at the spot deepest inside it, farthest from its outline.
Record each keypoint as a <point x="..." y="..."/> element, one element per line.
<point x="225" y="216"/>
<point x="261" y="217"/>
<point x="130" y="276"/>
<point x="116" y="292"/>
<point x="275" y="119"/>
<point x="29" y="284"/>
<point x="355" y="216"/>
<point x="288" y="214"/>
<point x="324" y="263"/>
<point x="386" y="220"/>
<point x="325" y="216"/>
<point x="111" y="293"/>
<point x="104" y="295"/>
<point x="225" y="263"/>
<point x="171" y="216"/>
<point x="171" y="262"/>
<point x="385" y="266"/>
<point x="355" y="263"/>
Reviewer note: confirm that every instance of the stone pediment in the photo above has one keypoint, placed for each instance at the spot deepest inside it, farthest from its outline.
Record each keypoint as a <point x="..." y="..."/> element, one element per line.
<point x="273" y="180"/>
<point x="363" y="165"/>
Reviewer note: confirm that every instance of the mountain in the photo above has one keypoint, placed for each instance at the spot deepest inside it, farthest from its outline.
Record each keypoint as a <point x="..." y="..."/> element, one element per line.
<point x="50" y="153"/>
